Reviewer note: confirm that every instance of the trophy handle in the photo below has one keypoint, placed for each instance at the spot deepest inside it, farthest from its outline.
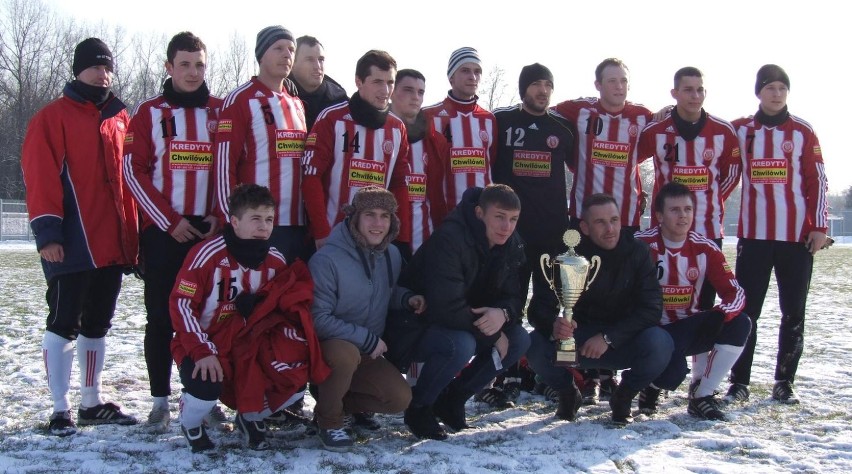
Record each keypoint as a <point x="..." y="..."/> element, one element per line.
<point x="545" y="266"/>
<point x="596" y="265"/>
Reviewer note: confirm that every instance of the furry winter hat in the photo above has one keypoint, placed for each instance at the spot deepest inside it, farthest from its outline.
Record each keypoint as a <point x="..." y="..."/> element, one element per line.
<point x="372" y="197"/>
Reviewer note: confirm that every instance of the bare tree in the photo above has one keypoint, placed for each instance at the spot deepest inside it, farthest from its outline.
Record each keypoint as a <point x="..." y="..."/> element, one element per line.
<point x="35" y="59"/>
<point x="492" y="89"/>
<point x="145" y="72"/>
<point x="228" y="69"/>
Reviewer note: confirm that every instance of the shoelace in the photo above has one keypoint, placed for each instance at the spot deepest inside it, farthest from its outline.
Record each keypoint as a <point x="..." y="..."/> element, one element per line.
<point x="338" y="434"/>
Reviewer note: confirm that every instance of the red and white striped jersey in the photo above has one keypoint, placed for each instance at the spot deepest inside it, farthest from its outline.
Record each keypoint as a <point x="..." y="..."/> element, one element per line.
<point x="202" y="308"/>
<point x="709" y="165"/>
<point x="260" y="140"/>
<point x="168" y="160"/>
<point x="682" y="273"/>
<point x="606" y="158"/>
<point x="471" y="132"/>
<point x="342" y="155"/>
<point x="784" y="182"/>
<point x="425" y="194"/>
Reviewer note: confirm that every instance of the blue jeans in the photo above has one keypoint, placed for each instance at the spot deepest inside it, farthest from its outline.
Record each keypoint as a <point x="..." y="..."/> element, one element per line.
<point x="446" y="352"/>
<point x="647" y="354"/>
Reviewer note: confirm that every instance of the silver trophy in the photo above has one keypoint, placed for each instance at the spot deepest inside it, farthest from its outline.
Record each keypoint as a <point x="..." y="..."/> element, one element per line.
<point x="568" y="277"/>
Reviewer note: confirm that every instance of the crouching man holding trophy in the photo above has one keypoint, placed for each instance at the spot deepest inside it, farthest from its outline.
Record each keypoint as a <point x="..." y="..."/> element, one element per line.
<point x="615" y="313"/>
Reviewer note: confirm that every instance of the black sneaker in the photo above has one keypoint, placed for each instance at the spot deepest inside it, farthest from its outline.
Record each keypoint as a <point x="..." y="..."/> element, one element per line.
<point x="705" y="407"/>
<point x="336" y="439"/>
<point x="737" y="392"/>
<point x="608" y="386"/>
<point x="649" y="400"/>
<point x="104" y="414"/>
<point x="495" y="398"/>
<point x="366" y="420"/>
<point x="547" y="392"/>
<point x="592" y="392"/>
<point x="61" y="424"/>
<point x="784" y="393"/>
<point x="621" y="403"/>
<point x="287" y="418"/>
<point x="197" y="438"/>
<point x="254" y="433"/>
<point x="512" y="390"/>
<point x="570" y="400"/>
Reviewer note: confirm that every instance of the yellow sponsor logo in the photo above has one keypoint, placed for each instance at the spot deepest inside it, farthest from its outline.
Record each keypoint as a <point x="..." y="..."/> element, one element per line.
<point x="533" y="164"/>
<point x="187" y="288"/>
<point x="696" y="178"/>
<point x="768" y="171"/>
<point x="289" y="143"/>
<point x="128" y="139"/>
<point x="366" y="172"/>
<point x="612" y="154"/>
<point x="467" y="160"/>
<point x="225" y="126"/>
<point x="416" y="187"/>
<point x="311" y="140"/>
<point x="677" y="297"/>
<point x="191" y="156"/>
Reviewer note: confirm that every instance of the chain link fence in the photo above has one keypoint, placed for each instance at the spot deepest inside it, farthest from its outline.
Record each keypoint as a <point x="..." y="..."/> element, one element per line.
<point x="14" y="222"/>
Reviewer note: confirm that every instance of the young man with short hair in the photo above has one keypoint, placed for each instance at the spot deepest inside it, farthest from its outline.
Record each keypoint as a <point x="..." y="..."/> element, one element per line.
<point x="615" y="321"/>
<point x="84" y="223"/>
<point x="260" y="139"/>
<point x="317" y="91"/>
<point x="354" y="145"/>
<point x="469" y="129"/>
<point x="715" y="337"/>
<point x="355" y="284"/>
<point x="468" y="273"/>
<point x="428" y="156"/>
<point x="168" y="164"/>
<point x="212" y="302"/>
<point x="783" y="224"/>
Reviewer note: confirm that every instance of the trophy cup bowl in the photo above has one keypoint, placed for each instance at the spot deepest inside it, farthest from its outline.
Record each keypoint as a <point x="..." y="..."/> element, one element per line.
<point x="568" y="275"/>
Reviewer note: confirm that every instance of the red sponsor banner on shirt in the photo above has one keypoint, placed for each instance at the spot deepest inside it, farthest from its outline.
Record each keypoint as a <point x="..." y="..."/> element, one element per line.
<point x="191" y="156"/>
<point x="612" y="154"/>
<point x="467" y="160"/>
<point x="677" y="297"/>
<point x="534" y="164"/>
<point x="770" y="171"/>
<point x="416" y="187"/>
<point x="364" y="173"/>
<point x="696" y="178"/>
<point x="289" y="143"/>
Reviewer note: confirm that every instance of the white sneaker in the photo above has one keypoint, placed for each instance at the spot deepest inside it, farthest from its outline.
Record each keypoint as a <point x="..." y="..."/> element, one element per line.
<point x="158" y="420"/>
<point x="218" y="420"/>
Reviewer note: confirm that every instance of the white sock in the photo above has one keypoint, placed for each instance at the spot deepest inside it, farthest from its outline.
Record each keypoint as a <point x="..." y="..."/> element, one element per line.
<point x="720" y="361"/>
<point x="699" y="366"/>
<point x="161" y="403"/>
<point x="256" y="415"/>
<point x="192" y="410"/>
<point x="58" y="354"/>
<point x="90" y="357"/>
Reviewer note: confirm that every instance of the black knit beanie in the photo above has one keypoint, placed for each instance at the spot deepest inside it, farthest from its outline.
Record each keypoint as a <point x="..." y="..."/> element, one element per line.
<point x="91" y="52"/>
<point x="268" y="36"/>
<point x="770" y="73"/>
<point x="532" y="73"/>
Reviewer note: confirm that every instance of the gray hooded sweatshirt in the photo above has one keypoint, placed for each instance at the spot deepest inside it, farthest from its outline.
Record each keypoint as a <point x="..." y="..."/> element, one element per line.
<point x="353" y="288"/>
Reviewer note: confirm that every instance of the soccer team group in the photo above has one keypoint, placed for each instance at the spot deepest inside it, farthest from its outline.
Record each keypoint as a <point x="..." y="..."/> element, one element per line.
<point x="290" y="236"/>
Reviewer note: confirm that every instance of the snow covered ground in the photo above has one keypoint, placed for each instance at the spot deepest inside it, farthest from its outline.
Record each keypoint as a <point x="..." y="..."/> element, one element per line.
<point x="761" y="436"/>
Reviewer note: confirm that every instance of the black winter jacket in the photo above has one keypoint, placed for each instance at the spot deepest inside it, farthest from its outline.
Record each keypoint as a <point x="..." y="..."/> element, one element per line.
<point x="456" y="271"/>
<point x="625" y="297"/>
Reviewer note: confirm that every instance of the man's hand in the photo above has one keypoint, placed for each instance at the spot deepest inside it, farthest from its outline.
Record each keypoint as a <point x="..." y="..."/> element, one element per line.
<point x="502" y="345"/>
<point x="417" y="303"/>
<point x="380" y="349"/>
<point x="643" y="202"/>
<point x="214" y="226"/>
<point x="662" y="113"/>
<point x="594" y="348"/>
<point x="53" y="253"/>
<point x="562" y="329"/>
<point x="209" y="367"/>
<point x="492" y="320"/>
<point x="184" y="231"/>
<point x="815" y="241"/>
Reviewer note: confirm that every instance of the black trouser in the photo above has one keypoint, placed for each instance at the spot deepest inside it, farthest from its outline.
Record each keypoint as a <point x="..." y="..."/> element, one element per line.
<point x="162" y="257"/>
<point x="293" y="242"/>
<point x="793" y="266"/>
<point x="83" y="302"/>
<point x="707" y="298"/>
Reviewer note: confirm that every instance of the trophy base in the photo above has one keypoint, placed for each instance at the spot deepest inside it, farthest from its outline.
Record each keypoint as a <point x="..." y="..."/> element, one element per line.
<point x="566" y="359"/>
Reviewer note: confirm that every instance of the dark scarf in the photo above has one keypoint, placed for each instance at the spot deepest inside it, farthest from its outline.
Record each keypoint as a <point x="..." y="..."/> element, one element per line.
<point x="688" y="130"/>
<point x="772" y="120"/>
<point x="94" y="94"/>
<point x="248" y="252"/>
<point x="417" y="130"/>
<point x="186" y="100"/>
<point x="365" y="114"/>
<point x="463" y="101"/>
